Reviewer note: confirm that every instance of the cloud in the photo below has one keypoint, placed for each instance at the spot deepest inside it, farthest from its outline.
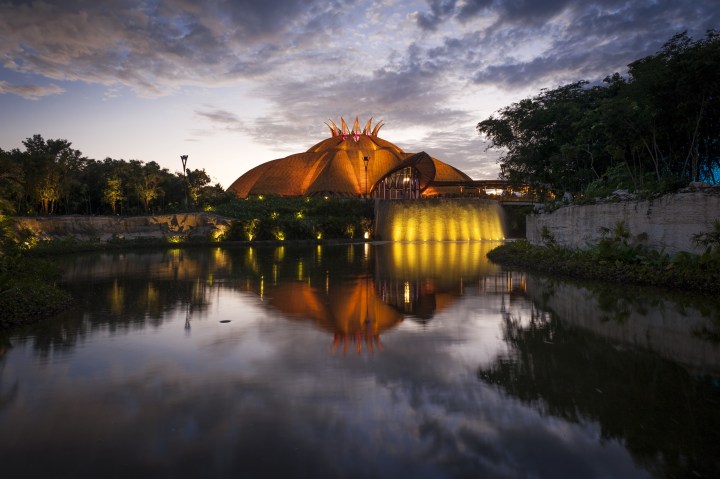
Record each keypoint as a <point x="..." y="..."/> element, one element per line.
<point x="222" y="118"/>
<point x="547" y="43"/>
<point x="431" y="66"/>
<point x="440" y="10"/>
<point x="30" y="92"/>
<point x="154" y="48"/>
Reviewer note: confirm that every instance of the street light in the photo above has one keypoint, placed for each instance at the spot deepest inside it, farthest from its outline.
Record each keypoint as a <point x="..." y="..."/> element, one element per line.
<point x="184" y="158"/>
<point x="366" y="160"/>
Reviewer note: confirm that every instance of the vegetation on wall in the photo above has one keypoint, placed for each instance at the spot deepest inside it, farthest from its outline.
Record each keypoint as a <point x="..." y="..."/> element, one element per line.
<point x="654" y="130"/>
<point x="280" y="218"/>
<point x="620" y="257"/>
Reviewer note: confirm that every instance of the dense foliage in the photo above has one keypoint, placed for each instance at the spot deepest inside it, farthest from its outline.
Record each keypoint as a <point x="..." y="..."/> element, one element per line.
<point x="49" y="176"/>
<point x="620" y="257"/>
<point x="27" y="285"/>
<point x="654" y="130"/>
<point x="276" y="218"/>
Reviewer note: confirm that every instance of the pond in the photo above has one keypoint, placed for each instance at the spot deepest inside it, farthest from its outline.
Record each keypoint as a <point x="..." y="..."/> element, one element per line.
<point x="420" y="360"/>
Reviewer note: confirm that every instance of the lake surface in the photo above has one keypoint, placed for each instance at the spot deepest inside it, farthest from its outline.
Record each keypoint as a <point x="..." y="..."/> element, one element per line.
<point x="390" y="360"/>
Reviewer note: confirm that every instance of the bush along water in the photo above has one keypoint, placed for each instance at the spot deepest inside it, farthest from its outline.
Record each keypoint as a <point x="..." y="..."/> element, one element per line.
<point x="28" y="291"/>
<point x="620" y="257"/>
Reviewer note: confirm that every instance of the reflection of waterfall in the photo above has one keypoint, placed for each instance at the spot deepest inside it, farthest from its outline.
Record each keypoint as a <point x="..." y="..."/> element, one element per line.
<point x="423" y="278"/>
<point x="447" y="262"/>
<point x="439" y="220"/>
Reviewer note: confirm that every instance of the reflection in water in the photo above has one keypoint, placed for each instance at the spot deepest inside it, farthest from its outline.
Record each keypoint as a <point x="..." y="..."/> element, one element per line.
<point x="592" y="352"/>
<point x="679" y="329"/>
<point x="262" y="361"/>
<point x="667" y="418"/>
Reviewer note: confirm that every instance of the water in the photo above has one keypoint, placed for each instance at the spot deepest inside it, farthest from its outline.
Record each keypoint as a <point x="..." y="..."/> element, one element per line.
<point x="395" y="360"/>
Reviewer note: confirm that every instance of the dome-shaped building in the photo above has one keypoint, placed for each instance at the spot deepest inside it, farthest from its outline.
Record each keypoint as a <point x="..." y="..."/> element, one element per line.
<point x="352" y="162"/>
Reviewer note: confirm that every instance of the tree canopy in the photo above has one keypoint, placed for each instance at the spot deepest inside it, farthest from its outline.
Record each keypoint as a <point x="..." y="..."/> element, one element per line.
<point x="656" y="128"/>
<point x="50" y="177"/>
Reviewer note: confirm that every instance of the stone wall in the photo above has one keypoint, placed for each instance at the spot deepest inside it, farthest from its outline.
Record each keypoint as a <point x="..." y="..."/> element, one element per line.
<point x="105" y="228"/>
<point x="669" y="221"/>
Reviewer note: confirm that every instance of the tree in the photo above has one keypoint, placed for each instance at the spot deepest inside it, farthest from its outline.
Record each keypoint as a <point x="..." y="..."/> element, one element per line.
<point x="196" y="180"/>
<point x="148" y="185"/>
<point x="659" y="125"/>
<point x="113" y="192"/>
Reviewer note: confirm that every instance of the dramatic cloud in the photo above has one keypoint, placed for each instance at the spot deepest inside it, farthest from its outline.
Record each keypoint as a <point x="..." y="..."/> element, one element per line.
<point x="154" y="48"/>
<point x="435" y="67"/>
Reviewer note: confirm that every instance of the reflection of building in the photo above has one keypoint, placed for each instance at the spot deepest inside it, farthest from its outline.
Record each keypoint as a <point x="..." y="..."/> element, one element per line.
<point x="352" y="162"/>
<point x="351" y="310"/>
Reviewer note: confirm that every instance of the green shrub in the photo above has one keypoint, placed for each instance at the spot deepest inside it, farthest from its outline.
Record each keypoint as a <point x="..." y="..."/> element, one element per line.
<point x="269" y="218"/>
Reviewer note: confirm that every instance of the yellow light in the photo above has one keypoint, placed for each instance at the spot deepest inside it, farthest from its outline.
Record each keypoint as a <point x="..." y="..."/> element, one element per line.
<point x="274" y="215"/>
<point x="319" y="235"/>
<point x="174" y="239"/>
<point x="299" y="215"/>
<point x="367" y="235"/>
<point x="442" y="220"/>
<point x="219" y="232"/>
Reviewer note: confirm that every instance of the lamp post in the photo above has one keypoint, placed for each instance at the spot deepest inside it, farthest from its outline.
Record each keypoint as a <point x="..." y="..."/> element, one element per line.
<point x="184" y="158"/>
<point x="366" y="160"/>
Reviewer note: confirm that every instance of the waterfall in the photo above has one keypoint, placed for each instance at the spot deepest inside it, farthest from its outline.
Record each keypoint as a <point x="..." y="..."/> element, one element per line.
<point x="439" y="219"/>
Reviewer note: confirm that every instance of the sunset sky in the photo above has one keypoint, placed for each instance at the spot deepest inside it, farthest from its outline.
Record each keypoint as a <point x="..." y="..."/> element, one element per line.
<point x="235" y="83"/>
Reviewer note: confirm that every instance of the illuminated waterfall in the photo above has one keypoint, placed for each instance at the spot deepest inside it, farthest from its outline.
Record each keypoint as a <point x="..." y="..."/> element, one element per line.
<point x="439" y="219"/>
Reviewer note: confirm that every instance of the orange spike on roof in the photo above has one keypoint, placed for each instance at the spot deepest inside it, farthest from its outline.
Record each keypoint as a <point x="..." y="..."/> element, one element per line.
<point x="377" y="128"/>
<point x="368" y="125"/>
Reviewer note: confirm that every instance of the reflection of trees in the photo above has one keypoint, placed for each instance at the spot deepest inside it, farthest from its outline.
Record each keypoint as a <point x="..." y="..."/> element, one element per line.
<point x="6" y="396"/>
<point x="667" y="419"/>
<point x="124" y="291"/>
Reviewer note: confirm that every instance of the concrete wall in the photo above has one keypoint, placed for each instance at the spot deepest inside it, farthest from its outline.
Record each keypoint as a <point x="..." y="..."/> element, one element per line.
<point x="104" y="228"/>
<point x="669" y="221"/>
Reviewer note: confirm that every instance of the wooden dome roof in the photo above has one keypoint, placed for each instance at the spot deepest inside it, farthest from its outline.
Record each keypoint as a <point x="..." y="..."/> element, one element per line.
<point x="333" y="166"/>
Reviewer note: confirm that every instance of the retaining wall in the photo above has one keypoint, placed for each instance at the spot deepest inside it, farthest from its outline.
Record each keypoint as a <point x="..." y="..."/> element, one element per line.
<point x="105" y="228"/>
<point x="669" y="221"/>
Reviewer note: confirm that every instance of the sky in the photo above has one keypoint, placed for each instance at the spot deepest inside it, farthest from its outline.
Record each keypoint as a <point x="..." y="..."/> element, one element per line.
<point x="236" y="83"/>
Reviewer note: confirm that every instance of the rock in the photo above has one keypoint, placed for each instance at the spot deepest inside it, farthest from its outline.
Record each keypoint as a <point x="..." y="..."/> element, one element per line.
<point x="623" y="195"/>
